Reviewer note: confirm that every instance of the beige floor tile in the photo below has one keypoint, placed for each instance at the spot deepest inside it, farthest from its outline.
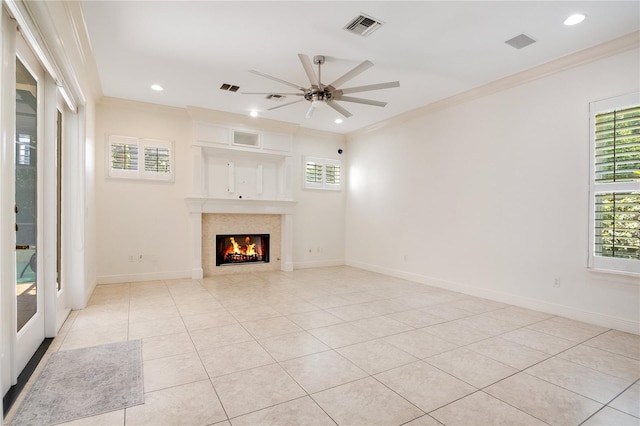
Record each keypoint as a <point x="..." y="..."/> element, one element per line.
<point x="190" y="404"/>
<point x="112" y="418"/>
<point x="293" y="345"/>
<point x="382" y="326"/>
<point x="508" y="352"/>
<point x="253" y="312"/>
<point x="376" y="356"/>
<point x="208" y="320"/>
<point x="157" y="327"/>
<point x="353" y="312"/>
<point x="446" y="312"/>
<point x="200" y="307"/>
<point x="482" y="409"/>
<point x="628" y="401"/>
<point x="579" y="379"/>
<point x="566" y="330"/>
<point x="299" y="412"/>
<point x="420" y="343"/>
<point x="311" y="371"/>
<point x="477" y="305"/>
<point x="539" y="341"/>
<point x="152" y="313"/>
<point x="232" y="358"/>
<point x="168" y="345"/>
<point x="458" y="333"/>
<point x="473" y="368"/>
<point x="366" y="402"/>
<point x="385" y="307"/>
<point x="270" y="327"/>
<point x="425" y="386"/>
<point x="328" y="301"/>
<point x="485" y="323"/>
<point x="608" y="417"/>
<point x="153" y="301"/>
<point x="416" y="318"/>
<point x="207" y="338"/>
<point x="171" y="371"/>
<point x="84" y="338"/>
<point x="294" y="307"/>
<point x="316" y="319"/>
<point x="252" y="390"/>
<point x="618" y="342"/>
<point x="607" y="362"/>
<point x="543" y="400"/>
<point x="518" y="316"/>
<point x="425" y="420"/>
<point x="341" y="335"/>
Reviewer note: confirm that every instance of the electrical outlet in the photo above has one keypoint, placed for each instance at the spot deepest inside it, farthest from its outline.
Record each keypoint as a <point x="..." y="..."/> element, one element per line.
<point x="556" y="282"/>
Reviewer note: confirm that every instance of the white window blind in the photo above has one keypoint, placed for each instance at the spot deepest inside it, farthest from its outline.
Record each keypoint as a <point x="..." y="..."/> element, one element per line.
<point x="135" y="158"/>
<point x="615" y="185"/>
<point x="322" y="173"/>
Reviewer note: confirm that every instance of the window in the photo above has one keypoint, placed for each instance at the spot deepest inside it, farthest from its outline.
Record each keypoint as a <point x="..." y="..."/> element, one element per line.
<point x="322" y="173"/>
<point x="140" y="158"/>
<point x="615" y="185"/>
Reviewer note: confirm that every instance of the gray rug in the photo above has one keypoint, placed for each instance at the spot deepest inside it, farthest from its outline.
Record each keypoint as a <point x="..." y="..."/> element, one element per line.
<point x="84" y="382"/>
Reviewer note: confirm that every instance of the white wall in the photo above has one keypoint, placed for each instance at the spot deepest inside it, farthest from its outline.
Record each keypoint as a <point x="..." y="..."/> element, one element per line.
<point x="489" y="196"/>
<point x="135" y="217"/>
<point x="318" y="222"/>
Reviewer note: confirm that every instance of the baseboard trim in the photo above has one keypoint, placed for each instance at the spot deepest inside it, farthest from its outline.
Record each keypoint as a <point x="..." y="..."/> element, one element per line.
<point x="595" y="318"/>
<point x="151" y="276"/>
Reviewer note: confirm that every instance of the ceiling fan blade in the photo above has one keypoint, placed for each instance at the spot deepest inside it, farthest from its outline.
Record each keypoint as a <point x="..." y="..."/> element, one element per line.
<point x="272" y="93"/>
<point x="284" y="105"/>
<point x="370" y="87"/>
<point x="339" y="108"/>
<point x="308" y="68"/>
<point x="354" y="72"/>
<point x="276" y="79"/>
<point x="362" y="101"/>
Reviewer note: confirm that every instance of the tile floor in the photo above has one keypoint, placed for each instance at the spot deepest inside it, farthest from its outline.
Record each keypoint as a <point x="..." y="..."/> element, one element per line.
<point x="349" y="347"/>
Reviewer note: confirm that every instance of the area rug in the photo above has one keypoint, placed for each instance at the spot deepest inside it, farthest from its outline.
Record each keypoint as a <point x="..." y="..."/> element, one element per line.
<point x="84" y="382"/>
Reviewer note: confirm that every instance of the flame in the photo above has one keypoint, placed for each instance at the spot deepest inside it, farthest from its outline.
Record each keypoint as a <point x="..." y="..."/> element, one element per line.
<point x="247" y="249"/>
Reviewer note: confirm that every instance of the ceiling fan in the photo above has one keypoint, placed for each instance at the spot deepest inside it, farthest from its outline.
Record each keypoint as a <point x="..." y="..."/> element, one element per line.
<point x="319" y="93"/>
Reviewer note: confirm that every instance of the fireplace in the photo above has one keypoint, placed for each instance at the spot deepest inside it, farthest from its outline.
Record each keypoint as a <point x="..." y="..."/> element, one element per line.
<point x="235" y="249"/>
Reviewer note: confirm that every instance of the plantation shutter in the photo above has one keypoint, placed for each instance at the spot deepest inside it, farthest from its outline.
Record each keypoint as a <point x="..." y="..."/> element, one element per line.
<point x="124" y="156"/>
<point x="617" y="161"/>
<point x="157" y="159"/>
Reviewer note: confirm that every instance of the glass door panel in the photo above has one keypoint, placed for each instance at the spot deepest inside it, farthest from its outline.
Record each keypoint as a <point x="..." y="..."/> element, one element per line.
<point x="26" y="207"/>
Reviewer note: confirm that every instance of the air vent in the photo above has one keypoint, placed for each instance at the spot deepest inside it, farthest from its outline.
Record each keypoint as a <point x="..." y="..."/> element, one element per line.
<point x="275" y="97"/>
<point x="520" y="41"/>
<point x="229" y="87"/>
<point x="363" y="25"/>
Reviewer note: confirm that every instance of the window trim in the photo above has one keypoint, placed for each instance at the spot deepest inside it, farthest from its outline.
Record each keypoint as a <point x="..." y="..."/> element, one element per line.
<point x="603" y="263"/>
<point x="140" y="173"/>
<point x="324" y="185"/>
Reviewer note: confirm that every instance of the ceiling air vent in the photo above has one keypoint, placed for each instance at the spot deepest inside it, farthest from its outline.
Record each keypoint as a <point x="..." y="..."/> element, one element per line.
<point x="229" y="87"/>
<point x="363" y="25"/>
<point x="520" y="41"/>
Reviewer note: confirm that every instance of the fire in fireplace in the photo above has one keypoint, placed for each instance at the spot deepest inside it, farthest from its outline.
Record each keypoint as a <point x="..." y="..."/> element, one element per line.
<point x="241" y="248"/>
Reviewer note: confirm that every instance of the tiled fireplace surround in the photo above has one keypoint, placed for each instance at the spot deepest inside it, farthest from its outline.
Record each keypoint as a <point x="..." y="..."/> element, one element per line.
<point x="210" y="217"/>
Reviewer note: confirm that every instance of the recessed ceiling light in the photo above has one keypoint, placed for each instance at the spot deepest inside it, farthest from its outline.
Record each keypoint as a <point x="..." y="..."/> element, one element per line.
<point x="253" y="113"/>
<point x="338" y="120"/>
<point x="157" y="87"/>
<point x="574" y="19"/>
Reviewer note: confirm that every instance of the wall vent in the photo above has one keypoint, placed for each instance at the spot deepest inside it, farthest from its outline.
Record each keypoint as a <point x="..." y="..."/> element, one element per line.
<point x="520" y="41"/>
<point x="363" y="25"/>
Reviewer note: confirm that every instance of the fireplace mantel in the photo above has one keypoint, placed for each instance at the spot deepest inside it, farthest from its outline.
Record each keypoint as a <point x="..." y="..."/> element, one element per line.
<point x="240" y="206"/>
<point x="201" y="205"/>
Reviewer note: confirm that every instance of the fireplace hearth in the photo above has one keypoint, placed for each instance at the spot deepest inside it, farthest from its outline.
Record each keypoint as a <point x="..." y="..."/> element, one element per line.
<point x="237" y="249"/>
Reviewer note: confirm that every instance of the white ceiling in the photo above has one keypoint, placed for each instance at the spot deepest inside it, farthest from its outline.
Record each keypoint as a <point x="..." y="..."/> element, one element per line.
<point x="434" y="48"/>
